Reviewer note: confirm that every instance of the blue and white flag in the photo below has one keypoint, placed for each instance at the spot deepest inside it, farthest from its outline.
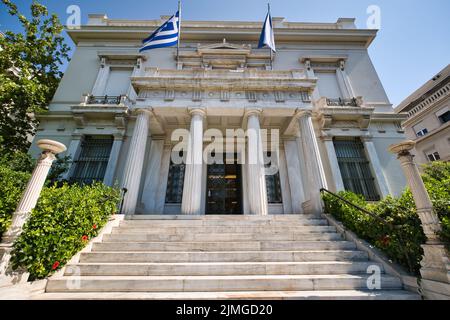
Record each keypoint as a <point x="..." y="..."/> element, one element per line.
<point x="165" y="36"/>
<point x="267" y="38"/>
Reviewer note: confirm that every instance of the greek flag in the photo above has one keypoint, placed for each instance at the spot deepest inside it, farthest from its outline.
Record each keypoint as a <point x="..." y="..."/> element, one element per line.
<point x="165" y="36"/>
<point x="267" y="38"/>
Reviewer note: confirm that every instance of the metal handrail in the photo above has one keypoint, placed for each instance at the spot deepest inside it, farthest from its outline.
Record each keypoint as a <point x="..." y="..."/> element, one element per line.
<point x="373" y="215"/>
<point x="391" y="226"/>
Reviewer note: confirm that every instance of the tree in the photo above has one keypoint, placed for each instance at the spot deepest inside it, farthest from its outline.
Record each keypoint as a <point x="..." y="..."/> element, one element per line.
<point x="29" y="73"/>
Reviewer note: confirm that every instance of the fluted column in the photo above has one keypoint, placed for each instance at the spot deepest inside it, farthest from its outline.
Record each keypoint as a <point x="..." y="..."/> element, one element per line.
<point x="256" y="178"/>
<point x="135" y="160"/>
<point x="314" y="166"/>
<point x="29" y="197"/>
<point x="192" y="191"/>
<point x="435" y="262"/>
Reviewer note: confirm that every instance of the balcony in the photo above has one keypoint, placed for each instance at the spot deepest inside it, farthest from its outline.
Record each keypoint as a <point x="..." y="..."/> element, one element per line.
<point x="353" y="102"/>
<point x="92" y="108"/>
<point x="104" y="100"/>
<point x="333" y="111"/>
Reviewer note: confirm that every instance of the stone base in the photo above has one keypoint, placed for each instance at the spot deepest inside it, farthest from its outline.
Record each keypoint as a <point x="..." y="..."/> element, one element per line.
<point x="435" y="290"/>
<point x="9" y="277"/>
<point x="435" y="263"/>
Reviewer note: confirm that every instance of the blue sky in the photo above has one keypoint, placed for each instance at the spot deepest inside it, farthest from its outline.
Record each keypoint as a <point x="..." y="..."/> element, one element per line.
<point x="413" y="43"/>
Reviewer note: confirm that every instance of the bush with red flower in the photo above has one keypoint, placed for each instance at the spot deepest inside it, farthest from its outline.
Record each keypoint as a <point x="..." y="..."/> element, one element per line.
<point x="63" y="216"/>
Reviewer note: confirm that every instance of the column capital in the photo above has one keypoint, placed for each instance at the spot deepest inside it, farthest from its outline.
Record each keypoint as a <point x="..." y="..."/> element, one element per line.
<point x="367" y="138"/>
<point x="326" y="138"/>
<point x="77" y="136"/>
<point x="252" y="112"/>
<point x="139" y="111"/>
<point x="118" y="136"/>
<point x="402" y="148"/>
<point x="197" y="112"/>
<point x="51" y="146"/>
<point x="300" y="113"/>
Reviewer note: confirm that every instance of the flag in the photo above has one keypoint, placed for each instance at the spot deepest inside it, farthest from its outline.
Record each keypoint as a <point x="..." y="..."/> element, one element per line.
<point x="165" y="36"/>
<point x="267" y="38"/>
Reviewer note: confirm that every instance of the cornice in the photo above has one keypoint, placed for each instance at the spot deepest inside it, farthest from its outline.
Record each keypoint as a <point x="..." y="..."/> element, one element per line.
<point x="217" y="32"/>
<point x="248" y="80"/>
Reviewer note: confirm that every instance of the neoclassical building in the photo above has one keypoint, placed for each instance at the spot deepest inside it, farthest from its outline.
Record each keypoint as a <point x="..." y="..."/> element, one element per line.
<point x="326" y="120"/>
<point x="428" y="122"/>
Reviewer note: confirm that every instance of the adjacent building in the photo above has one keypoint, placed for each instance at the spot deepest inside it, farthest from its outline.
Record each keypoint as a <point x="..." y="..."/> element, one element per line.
<point x="428" y="122"/>
<point x="326" y="119"/>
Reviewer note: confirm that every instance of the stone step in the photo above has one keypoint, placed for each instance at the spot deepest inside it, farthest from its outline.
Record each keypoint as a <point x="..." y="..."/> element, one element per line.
<point x="223" y="246"/>
<point x="218" y="268"/>
<point x="235" y="217"/>
<point x="217" y="283"/>
<point x="143" y="237"/>
<point x="224" y="256"/>
<point x="217" y="222"/>
<point x="224" y="229"/>
<point x="241" y="295"/>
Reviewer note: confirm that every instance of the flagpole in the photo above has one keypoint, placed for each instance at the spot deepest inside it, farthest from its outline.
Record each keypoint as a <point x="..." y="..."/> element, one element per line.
<point x="179" y="32"/>
<point x="268" y="10"/>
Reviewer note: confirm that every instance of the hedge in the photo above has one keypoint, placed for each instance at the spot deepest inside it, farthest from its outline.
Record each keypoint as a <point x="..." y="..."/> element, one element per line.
<point x="402" y="244"/>
<point x="65" y="218"/>
<point x="11" y="187"/>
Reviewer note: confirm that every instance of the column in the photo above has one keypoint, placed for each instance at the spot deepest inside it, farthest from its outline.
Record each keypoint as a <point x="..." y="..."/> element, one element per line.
<point x="113" y="159"/>
<point x="72" y="151"/>
<point x="374" y="161"/>
<point x="435" y="263"/>
<point x="29" y="197"/>
<point x="256" y="178"/>
<point x="135" y="160"/>
<point x="314" y="166"/>
<point x="191" y="202"/>
<point x="294" y="174"/>
<point x="334" y="164"/>
<point x="102" y="79"/>
<point x="152" y="177"/>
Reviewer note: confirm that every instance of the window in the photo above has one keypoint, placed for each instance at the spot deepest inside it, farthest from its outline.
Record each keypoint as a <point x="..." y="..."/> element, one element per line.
<point x="118" y="82"/>
<point x="93" y="159"/>
<point x="175" y="182"/>
<point x="328" y="85"/>
<point x="355" y="168"/>
<point x="445" y="117"/>
<point x="273" y="185"/>
<point x="422" y="132"/>
<point x="433" y="156"/>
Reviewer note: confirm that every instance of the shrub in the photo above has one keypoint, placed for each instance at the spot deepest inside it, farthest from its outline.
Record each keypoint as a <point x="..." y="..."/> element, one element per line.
<point x="394" y="243"/>
<point x="403" y="244"/>
<point x="61" y="224"/>
<point x="11" y="187"/>
<point x="436" y="177"/>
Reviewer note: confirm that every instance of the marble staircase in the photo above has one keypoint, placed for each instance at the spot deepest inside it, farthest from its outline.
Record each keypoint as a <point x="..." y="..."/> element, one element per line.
<point x="223" y="257"/>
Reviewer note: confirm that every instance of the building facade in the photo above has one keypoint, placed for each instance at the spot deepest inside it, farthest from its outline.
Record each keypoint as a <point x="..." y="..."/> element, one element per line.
<point x="428" y="122"/>
<point x="315" y="117"/>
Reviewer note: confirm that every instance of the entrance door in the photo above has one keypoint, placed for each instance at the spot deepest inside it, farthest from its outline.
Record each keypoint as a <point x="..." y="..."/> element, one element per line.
<point x="224" y="192"/>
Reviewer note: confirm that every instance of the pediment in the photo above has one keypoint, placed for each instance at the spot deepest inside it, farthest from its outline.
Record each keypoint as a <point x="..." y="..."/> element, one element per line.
<point x="224" y="47"/>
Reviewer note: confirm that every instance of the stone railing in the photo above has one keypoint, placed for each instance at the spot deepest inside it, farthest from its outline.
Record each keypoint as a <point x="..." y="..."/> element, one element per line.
<point x="104" y="100"/>
<point x="353" y="102"/>
<point x="435" y="97"/>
